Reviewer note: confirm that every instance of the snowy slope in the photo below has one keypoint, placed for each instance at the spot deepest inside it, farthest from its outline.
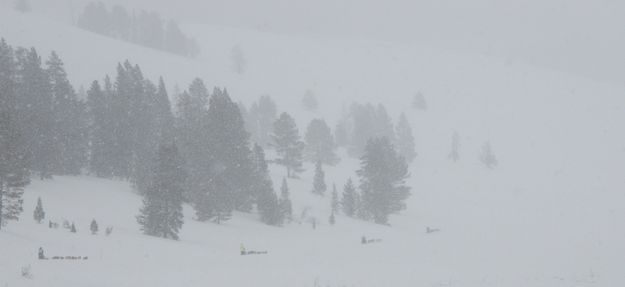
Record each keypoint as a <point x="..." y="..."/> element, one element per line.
<point x="549" y="215"/>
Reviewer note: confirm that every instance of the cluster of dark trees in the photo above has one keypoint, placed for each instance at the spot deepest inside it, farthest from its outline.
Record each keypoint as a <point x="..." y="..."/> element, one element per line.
<point x="39" y="130"/>
<point x="143" y="28"/>
<point x="366" y="121"/>
<point x="199" y="153"/>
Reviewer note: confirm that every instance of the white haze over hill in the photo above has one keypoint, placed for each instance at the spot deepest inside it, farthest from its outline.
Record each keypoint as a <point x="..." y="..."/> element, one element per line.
<point x="576" y="36"/>
<point x="540" y="80"/>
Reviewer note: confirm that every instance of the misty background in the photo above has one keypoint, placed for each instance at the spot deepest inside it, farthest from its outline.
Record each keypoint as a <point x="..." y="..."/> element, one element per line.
<point x="573" y="36"/>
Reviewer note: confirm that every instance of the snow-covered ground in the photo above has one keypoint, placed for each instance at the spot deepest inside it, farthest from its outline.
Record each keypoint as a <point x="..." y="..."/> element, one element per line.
<point x="550" y="214"/>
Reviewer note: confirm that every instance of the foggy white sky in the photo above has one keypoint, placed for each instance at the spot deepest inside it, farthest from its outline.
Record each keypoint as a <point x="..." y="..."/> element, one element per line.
<point x="585" y="37"/>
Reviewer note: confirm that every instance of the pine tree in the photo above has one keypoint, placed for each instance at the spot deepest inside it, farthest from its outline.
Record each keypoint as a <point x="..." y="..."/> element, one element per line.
<point x="72" y="228"/>
<point x="288" y="145"/>
<point x="268" y="205"/>
<point x="100" y="128"/>
<point x="319" y="184"/>
<point x="363" y="121"/>
<point x="349" y="200"/>
<point x="335" y="200"/>
<point x="286" y="208"/>
<point x="320" y="143"/>
<point x="39" y="214"/>
<point x="93" y="227"/>
<point x="369" y="122"/>
<point x="70" y="122"/>
<point x="161" y="214"/>
<point x="487" y="157"/>
<point x="193" y="135"/>
<point x="383" y="124"/>
<point x="269" y="208"/>
<point x="382" y="180"/>
<point x="405" y="141"/>
<point x="36" y="116"/>
<point x="455" y="145"/>
<point x="230" y="151"/>
<point x="14" y="174"/>
<point x="262" y="116"/>
<point x="332" y="219"/>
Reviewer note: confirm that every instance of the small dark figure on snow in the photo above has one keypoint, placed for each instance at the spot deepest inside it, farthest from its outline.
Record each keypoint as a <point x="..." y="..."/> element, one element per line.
<point x="243" y="249"/>
<point x="431" y="230"/>
<point x="109" y="230"/>
<point x="41" y="255"/>
<point x="363" y="240"/>
<point x="94" y="227"/>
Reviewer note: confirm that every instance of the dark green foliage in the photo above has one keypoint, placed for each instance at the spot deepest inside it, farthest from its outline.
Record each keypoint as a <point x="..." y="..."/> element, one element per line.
<point x="161" y="214"/>
<point x="349" y="202"/>
<point x="320" y="143"/>
<point x="286" y="208"/>
<point x="14" y="174"/>
<point x="319" y="184"/>
<point x="93" y="227"/>
<point x="405" y="141"/>
<point x="335" y="200"/>
<point x="288" y="145"/>
<point x="382" y="181"/>
<point x="38" y="213"/>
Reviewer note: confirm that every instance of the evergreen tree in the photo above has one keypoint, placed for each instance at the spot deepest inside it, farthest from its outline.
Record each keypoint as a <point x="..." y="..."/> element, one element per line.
<point x="161" y="214"/>
<point x="262" y="116"/>
<point x="93" y="227"/>
<point x="363" y="121"/>
<point x="124" y="100"/>
<point x="383" y="124"/>
<point x="100" y="130"/>
<point x="487" y="157"/>
<point x="193" y="135"/>
<point x="72" y="228"/>
<point x="269" y="208"/>
<point x="382" y="180"/>
<point x="230" y="152"/>
<point x="36" y="116"/>
<point x="332" y="219"/>
<point x="286" y="208"/>
<point x="335" y="200"/>
<point x="319" y="143"/>
<point x="268" y="205"/>
<point x="95" y="18"/>
<point x="70" y="124"/>
<point x="288" y="145"/>
<point x="455" y="145"/>
<point x="319" y="184"/>
<point x="369" y="122"/>
<point x="349" y="200"/>
<point x="14" y="174"/>
<point x="39" y="214"/>
<point x="164" y="118"/>
<point x="405" y="141"/>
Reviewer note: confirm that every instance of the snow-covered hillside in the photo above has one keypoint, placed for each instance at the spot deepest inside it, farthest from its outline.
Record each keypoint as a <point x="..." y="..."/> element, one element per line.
<point x="550" y="214"/>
